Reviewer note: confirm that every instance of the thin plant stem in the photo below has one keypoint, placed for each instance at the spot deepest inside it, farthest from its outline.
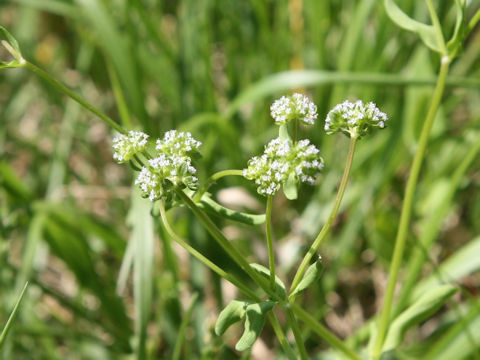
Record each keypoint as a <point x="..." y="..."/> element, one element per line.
<point x="212" y="179"/>
<point x="268" y="227"/>
<point x="200" y="257"/>
<point x="292" y="321"/>
<point x="281" y="336"/>
<point x="473" y="22"/>
<point x="407" y="208"/>
<point x="231" y="278"/>
<point x="323" y="332"/>
<point x="436" y="26"/>
<point x="324" y="231"/>
<point x="225" y="244"/>
<point x="109" y="121"/>
<point x="183" y="328"/>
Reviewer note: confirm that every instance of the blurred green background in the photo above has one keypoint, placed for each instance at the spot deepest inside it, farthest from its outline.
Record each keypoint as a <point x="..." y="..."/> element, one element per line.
<point x="213" y="67"/>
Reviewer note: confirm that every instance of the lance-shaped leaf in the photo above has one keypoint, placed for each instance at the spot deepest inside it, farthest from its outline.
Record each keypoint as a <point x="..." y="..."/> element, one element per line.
<point x="280" y="289"/>
<point x="233" y="312"/>
<point x="11" y="45"/>
<point x="255" y="320"/>
<point x="426" y="32"/>
<point x="311" y="275"/>
<point x="421" y="310"/>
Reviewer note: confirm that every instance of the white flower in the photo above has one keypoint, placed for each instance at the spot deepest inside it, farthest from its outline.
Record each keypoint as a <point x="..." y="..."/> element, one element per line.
<point x="280" y="159"/>
<point x="171" y="169"/>
<point x="126" y="146"/>
<point x="178" y="143"/>
<point x="354" y="119"/>
<point x="297" y="107"/>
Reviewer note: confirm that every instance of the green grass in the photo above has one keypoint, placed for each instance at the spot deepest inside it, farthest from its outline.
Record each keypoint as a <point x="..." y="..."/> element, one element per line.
<point x="68" y="222"/>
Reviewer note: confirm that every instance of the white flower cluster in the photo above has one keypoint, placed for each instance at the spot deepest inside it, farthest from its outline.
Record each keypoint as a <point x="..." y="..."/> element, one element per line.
<point x="178" y="143"/>
<point x="280" y="159"/>
<point x="297" y="106"/>
<point x="355" y="119"/>
<point x="125" y="146"/>
<point x="171" y="168"/>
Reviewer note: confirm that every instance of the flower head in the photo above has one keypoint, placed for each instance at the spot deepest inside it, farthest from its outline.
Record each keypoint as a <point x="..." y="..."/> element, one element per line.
<point x="281" y="159"/>
<point x="172" y="168"/>
<point x="125" y="146"/>
<point x="297" y="106"/>
<point x="354" y="119"/>
<point x="178" y="143"/>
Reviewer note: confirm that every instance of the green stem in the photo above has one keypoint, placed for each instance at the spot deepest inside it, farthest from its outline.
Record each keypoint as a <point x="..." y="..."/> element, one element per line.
<point x="436" y="26"/>
<point x="231" y="278"/>
<point x="323" y="332"/>
<point x="225" y="244"/>
<point x="324" y="231"/>
<point x="183" y="328"/>
<point x="292" y="321"/>
<point x="271" y="255"/>
<point x="74" y="96"/>
<point x="199" y="256"/>
<point x="473" y="22"/>
<point x="212" y="179"/>
<point x="281" y="336"/>
<point x="407" y="207"/>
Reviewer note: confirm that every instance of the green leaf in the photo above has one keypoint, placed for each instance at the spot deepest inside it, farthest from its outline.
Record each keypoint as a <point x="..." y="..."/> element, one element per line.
<point x="11" y="45"/>
<point x="279" y="285"/>
<point x="142" y="235"/>
<point x="233" y="312"/>
<point x="463" y="262"/>
<point x="290" y="187"/>
<point x="426" y="32"/>
<point x="214" y="208"/>
<point x="255" y="320"/>
<point x="421" y="310"/>
<point x="311" y="275"/>
<point x="12" y="316"/>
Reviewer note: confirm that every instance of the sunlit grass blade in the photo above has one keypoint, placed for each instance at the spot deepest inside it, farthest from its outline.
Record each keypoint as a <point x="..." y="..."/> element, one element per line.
<point x="12" y="316"/>
<point x="142" y="234"/>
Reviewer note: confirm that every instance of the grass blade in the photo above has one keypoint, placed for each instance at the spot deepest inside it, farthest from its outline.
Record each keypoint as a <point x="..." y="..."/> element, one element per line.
<point x="10" y="320"/>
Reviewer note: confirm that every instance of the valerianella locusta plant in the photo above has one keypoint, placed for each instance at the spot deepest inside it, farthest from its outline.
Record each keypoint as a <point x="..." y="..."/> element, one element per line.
<point x="126" y="146"/>
<point x="281" y="160"/>
<point x="295" y="107"/>
<point x="354" y="119"/>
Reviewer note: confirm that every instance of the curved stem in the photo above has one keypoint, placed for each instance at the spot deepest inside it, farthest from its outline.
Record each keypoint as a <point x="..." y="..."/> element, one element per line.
<point x="473" y="22"/>
<point x="225" y="244"/>
<point x="109" y="121"/>
<point x="323" y="332"/>
<point x="212" y="179"/>
<point x="199" y="256"/>
<point x="271" y="255"/>
<point x="324" y="231"/>
<point x="436" y="26"/>
<point x="292" y="321"/>
<point x="231" y="278"/>
<point x="407" y="208"/>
